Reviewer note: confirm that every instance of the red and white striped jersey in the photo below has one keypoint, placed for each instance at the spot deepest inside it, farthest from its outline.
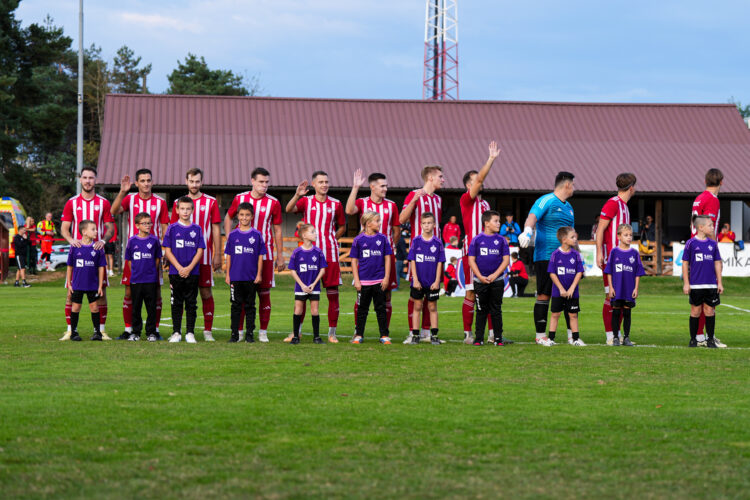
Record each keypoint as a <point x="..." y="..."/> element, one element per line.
<point x="326" y="216"/>
<point x="707" y="203"/>
<point x="471" y="214"/>
<point x="427" y="203"/>
<point x="267" y="213"/>
<point x="205" y="214"/>
<point x="616" y="211"/>
<point x="388" y="211"/>
<point x="78" y="209"/>
<point x="154" y="205"/>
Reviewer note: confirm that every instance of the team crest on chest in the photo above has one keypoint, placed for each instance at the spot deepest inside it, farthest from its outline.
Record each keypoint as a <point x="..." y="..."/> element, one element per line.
<point x="149" y="245"/>
<point x="572" y="260"/>
<point x="262" y="209"/>
<point x="433" y="248"/>
<point x="632" y="260"/>
<point x="496" y="242"/>
<point x="378" y="242"/>
<point x="192" y="234"/>
<point x="314" y="259"/>
<point x="93" y="253"/>
<point x="710" y="247"/>
<point x="252" y="239"/>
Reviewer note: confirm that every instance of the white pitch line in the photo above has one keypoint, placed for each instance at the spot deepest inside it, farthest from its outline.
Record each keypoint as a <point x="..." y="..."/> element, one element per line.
<point x="735" y="307"/>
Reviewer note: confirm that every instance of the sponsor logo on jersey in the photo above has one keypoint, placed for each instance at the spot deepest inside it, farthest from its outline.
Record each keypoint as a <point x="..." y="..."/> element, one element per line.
<point x="365" y="253"/>
<point x="238" y="250"/>
<point x="560" y="270"/>
<point x="79" y="262"/>
<point x="483" y="251"/>
<point x="303" y="268"/>
<point x="699" y="257"/>
<point x="136" y="255"/>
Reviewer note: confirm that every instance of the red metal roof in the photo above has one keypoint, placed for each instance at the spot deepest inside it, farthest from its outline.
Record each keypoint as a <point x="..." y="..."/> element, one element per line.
<point x="668" y="146"/>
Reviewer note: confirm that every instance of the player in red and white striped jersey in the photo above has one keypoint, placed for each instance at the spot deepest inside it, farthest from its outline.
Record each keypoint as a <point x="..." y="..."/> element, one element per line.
<point x="614" y="212"/>
<point x="418" y="202"/>
<point x="267" y="220"/>
<point x="707" y="203"/>
<point x="472" y="207"/>
<point x="389" y="223"/>
<point x="87" y="206"/>
<point x="206" y="215"/>
<point x="134" y="203"/>
<point x="327" y="215"/>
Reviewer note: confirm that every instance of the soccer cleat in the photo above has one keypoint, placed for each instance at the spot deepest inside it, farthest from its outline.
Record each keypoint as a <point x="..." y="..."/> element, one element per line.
<point x="75" y="337"/>
<point x="408" y="339"/>
<point x="499" y="343"/>
<point x="609" y="341"/>
<point x="579" y="343"/>
<point x="711" y="344"/>
<point x="289" y="337"/>
<point x="693" y="343"/>
<point x="295" y="340"/>
<point x="318" y="340"/>
<point x="134" y="338"/>
<point x="105" y="336"/>
<point x="208" y="336"/>
<point x="176" y="337"/>
<point x="124" y="336"/>
<point x="332" y="339"/>
<point x="152" y="338"/>
<point x="719" y="343"/>
<point x="701" y="343"/>
<point x="190" y="338"/>
<point x="385" y="340"/>
<point x="544" y="341"/>
<point x="552" y="342"/>
<point x="263" y="337"/>
<point x="16" y="284"/>
<point x="66" y="336"/>
<point x="434" y="340"/>
<point x="626" y="342"/>
<point x="570" y="340"/>
<point x="615" y="341"/>
<point x="96" y="337"/>
<point x="249" y="338"/>
<point x="468" y="338"/>
<point x="355" y="340"/>
<point x="478" y="343"/>
<point x="415" y="340"/>
<point x="234" y="338"/>
<point x="26" y="285"/>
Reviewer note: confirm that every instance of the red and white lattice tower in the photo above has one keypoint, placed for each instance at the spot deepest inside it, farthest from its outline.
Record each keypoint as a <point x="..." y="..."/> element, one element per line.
<point x="440" y="80"/>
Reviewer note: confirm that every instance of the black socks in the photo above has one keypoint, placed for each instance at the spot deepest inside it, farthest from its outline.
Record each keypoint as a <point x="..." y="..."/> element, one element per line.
<point x="540" y="315"/>
<point x="710" y="326"/>
<point x="693" y="326"/>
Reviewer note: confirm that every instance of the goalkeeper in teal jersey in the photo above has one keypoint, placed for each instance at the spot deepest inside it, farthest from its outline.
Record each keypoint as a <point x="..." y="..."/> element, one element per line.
<point x="549" y="213"/>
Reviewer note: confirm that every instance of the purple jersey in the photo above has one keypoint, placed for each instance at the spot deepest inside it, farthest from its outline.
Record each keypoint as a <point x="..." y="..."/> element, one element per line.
<point x="624" y="266"/>
<point x="142" y="254"/>
<point x="307" y="264"/>
<point x="371" y="252"/>
<point x="86" y="262"/>
<point x="244" y="247"/>
<point x="184" y="241"/>
<point x="565" y="265"/>
<point x="489" y="250"/>
<point x="702" y="255"/>
<point x="426" y="254"/>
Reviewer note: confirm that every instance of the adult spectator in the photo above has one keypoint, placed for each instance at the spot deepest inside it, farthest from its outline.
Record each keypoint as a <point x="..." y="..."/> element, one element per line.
<point x="519" y="278"/>
<point x="594" y="228"/>
<point x="548" y="214"/>
<point x="402" y="252"/>
<point x="510" y="230"/>
<point x="109" y="251"/>
<point x="46" y="234"/>
<point x="648" y="231"/>
<point x="727" y="235"/>
<point x="451" y="229"/>
<point x="33" y="241"/>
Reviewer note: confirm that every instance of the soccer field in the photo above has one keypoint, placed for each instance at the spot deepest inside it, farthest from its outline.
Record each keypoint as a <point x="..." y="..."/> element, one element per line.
<point x="125" y="419"/>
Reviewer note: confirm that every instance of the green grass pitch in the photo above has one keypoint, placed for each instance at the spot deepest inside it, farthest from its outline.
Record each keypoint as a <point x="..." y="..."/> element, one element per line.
<point x="143" y="420"/>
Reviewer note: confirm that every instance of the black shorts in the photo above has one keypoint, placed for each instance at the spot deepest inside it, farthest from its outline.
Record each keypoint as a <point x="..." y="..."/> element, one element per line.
<point x="620" y="303"/>
<point x="708" y="296"/>
<point x="560" y="304"/>
<point x="307" y="296"/>
<point x="543" y="281"/>
<point x="109" y="248"/>
<point x="21" y="260"/>
<point x="424" y="293"/>
<point x="77" y="296"/>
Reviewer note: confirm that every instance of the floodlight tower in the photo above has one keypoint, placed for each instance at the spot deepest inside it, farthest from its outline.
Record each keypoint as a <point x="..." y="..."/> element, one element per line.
<point x="440" y="79"/>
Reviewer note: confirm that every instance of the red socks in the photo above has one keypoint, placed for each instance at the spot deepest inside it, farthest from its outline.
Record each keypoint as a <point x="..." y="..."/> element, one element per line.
<point x="426" y="324"/>
<point x="158" y="311"/>
<point x="127" y="311"/>
<point x="242" y="319"/>
<point x="410" y="311"/>
<point x="208" y="314"/>
<point x="356" y="308"/>
<point x="265" y="307"/>
<point x="68" y="309"/>
<point x="333" y="307"/>
<point x="467" y="311"/>
<point x="607" y="315"/>
<point x="102" y="314"/>
<point x="701" y="322"/>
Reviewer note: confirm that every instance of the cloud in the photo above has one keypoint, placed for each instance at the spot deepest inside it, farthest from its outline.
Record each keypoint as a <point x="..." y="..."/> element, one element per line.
<point x="160" y="21"/>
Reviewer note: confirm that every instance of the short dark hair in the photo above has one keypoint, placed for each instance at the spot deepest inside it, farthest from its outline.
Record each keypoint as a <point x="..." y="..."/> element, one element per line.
<point x="700" y="219"/>
<point x="317" y="173"/>
<point x="84" y="224"/>
<point x="376" y="176"/>
<point x="514" y="255"/>
<point x="487" y="216"/>
<point x="259" y="171"/>
<point x="141" y="216"/>
<point x="143" y="171"/>
<point x="89" y="168"/>
<point x="185" y="199"/>
<point x="563" y="177"/>
<point x="194" y="171"/>
<point x="563" y="232"/>
<point x="467" y="176"/>
<point x="625" y="181"/>
<point x="714" y="176"/>
<point x="428" y="215"/>
<point x="245" y="206"/>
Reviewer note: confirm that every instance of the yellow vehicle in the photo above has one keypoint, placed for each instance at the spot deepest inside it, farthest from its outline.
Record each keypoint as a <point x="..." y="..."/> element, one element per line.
<point x="14" y="216"/>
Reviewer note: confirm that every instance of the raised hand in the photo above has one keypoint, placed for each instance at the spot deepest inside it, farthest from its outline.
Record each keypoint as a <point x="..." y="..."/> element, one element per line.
<point x="125" y="184"/>
<point x="419" y="193"/>
<point x="494" y="150"/>
<point x="302" y="189"/>
<point x="359" y="178"/>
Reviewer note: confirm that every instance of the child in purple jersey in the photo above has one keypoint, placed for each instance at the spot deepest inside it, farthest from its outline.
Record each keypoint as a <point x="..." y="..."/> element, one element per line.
<point x="701" y="275"/>
<point x="244" y="251"/>
<point x="426" y="258"/>
<point x="371" y="271"/>
<point x="183" y="247"/>
<point x="565" y="269"/>
<point x="308" y="265"/>
<point x="489" y="257"/>
<point x="85" y="276"/>
<point x="144" y="254"/>
<point x="623" y="270"/>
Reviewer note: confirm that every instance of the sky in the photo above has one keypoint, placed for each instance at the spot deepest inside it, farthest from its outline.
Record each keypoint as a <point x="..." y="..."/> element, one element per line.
<point x="690" y="51"/>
